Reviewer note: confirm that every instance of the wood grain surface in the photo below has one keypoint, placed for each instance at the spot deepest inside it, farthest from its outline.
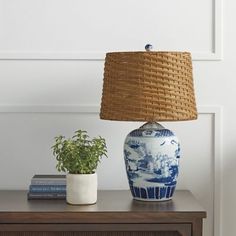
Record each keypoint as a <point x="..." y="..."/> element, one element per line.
<point x="114" y="214"/>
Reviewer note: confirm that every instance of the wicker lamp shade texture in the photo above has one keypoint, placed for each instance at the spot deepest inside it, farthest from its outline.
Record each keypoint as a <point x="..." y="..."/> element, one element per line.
<point x="148" y="86"/>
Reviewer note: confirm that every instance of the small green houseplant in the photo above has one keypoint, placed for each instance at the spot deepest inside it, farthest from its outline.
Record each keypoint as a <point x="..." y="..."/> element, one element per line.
<point x="79" y="156"/>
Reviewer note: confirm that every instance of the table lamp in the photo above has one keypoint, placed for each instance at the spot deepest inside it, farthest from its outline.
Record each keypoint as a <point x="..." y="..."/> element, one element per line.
<point x="149" y="86"/>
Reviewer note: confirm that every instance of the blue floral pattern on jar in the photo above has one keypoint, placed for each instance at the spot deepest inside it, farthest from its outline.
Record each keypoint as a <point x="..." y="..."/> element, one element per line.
<point x="152" y="162"/>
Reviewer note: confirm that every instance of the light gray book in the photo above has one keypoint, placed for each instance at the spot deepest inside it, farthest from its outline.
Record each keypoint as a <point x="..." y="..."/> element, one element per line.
<point x="48" y="180"/>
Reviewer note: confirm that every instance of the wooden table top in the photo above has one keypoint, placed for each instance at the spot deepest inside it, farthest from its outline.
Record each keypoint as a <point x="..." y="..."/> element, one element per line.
<point x="108" y="201"/>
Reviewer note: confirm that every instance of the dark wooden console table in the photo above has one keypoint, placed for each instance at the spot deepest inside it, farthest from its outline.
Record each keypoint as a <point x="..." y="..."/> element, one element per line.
<point x="115" y="214"/>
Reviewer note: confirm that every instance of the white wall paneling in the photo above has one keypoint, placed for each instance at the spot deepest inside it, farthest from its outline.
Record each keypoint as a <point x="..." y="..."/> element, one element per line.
<point x="215" y="112"/>
<point x="27" y="134"/>
<point x="85" y="30"/>
<point x="51" y="70"/>
<point x="217" y="49"/>
<point x="195" y="164"/>
<point x="201" y="169"/>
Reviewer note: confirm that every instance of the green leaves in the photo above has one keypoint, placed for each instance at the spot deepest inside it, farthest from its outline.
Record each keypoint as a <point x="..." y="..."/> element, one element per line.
<point x="79" y="154"/>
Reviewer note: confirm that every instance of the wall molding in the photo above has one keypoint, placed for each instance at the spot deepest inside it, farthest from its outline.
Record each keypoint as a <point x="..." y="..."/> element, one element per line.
<point x="217" y="20"/>
<point x="214" y="55"/>
<point x="90" y="108"/>
<point x="214" y="111"/>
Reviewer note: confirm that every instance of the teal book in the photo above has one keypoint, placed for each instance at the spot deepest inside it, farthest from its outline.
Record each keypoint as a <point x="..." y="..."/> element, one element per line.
<point x="47" y="188"/>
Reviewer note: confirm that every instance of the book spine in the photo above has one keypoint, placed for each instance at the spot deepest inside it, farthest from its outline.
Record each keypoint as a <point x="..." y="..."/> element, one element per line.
<point x="49" y="176"/>
<point x="49" y="179"/>
<point x="48" y="182"/>
<point x="46" y="196"/>
<point x="47" y="188"/>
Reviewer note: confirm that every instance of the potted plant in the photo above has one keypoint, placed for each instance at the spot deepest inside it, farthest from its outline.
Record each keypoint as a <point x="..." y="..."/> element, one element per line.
<point x="79" y="156"/>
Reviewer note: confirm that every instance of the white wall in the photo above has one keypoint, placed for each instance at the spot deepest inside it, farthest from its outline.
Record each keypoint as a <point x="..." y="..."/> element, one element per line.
<point x="61" y="92"/>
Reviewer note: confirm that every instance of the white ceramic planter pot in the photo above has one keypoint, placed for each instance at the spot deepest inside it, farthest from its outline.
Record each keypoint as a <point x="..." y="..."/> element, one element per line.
<point x="81" y="189"/>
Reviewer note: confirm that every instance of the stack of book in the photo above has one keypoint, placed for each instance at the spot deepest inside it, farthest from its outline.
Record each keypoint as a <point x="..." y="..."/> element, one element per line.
<point x="47" y="187"/>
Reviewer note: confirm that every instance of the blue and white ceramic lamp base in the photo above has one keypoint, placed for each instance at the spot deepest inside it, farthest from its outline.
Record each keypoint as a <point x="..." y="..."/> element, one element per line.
<point x="152" y="155"/>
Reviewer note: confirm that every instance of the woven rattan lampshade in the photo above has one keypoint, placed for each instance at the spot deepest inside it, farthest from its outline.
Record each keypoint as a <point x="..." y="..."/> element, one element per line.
<point x="148" y="86"/>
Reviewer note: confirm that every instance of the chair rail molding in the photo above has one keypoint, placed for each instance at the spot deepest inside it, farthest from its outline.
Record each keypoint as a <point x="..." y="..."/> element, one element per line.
<point x="214" y="53"/>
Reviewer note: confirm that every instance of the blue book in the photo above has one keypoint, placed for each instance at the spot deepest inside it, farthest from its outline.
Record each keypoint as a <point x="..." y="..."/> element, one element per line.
<point x="41" y="196"/>
<point x="47" y="188"/>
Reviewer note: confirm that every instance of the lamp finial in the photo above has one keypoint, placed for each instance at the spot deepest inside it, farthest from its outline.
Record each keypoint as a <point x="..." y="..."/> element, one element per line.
<point x="148" y="47"/>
